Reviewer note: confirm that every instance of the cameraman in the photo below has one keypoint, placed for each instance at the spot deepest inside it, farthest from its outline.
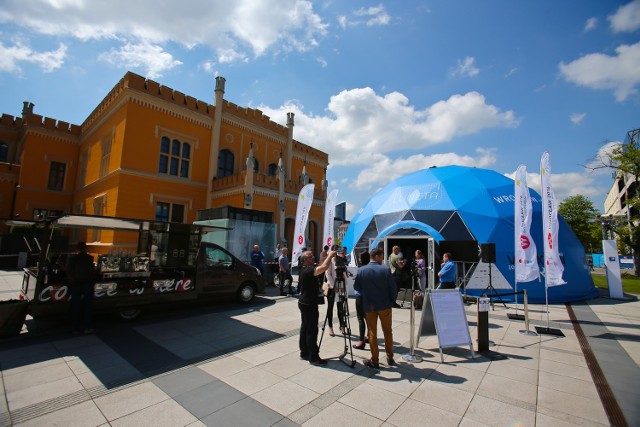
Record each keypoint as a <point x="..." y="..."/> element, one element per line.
<point x="331" y="275"/>
<point x="308" y="305"/>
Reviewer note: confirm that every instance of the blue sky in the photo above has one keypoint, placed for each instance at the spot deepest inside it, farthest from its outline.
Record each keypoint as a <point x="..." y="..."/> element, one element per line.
<point x="386" y="88"/>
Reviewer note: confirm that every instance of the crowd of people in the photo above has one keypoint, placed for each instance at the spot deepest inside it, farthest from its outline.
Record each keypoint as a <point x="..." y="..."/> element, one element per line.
<point x="376" y="288"/>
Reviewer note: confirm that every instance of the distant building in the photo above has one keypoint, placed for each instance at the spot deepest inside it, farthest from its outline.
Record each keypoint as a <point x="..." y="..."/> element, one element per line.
<point x="150" y="152"/>
<point x="341" y="211"/>
<point x="624" y="187"/>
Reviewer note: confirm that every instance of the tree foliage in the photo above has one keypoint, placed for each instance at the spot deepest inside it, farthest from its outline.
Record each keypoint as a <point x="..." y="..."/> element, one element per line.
<point x="624" y="159"/>
<point x="581" y="215"/>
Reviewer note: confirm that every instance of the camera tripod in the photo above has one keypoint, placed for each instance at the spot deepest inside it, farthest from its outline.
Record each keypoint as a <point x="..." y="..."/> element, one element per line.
<point x="342" y="305"/>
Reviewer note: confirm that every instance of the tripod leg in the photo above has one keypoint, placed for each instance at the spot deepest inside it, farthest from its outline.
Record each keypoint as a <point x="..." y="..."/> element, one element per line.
<point x="324" y="324"/>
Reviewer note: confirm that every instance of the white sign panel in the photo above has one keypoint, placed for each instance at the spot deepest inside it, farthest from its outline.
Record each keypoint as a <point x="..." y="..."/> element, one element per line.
<point x="450" y="318"/>
<point x="612" y="262"/>
<point x="480" y="278"/>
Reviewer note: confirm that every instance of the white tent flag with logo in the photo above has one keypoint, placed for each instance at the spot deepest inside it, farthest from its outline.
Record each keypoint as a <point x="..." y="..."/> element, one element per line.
<point x="305" y="199"/>
<point x="526" y="253"/>
<point x="553" y="267"/>
<point x="329" y="215"/>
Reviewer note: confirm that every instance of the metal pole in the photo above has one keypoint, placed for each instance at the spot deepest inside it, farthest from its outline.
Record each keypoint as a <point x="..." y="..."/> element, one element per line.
<point x="526" y="331"/>
<point x="412" y="315"/>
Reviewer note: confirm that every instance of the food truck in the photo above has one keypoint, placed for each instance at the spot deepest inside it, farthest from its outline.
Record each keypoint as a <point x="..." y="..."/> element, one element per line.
<point x="172" y="264"/>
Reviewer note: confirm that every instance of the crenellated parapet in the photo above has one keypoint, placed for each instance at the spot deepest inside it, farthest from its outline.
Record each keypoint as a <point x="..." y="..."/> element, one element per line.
<point x="38" y="121"/>
<point x="254" y="116"/>
<point x="8" y="121"/>
<point x="309" y="153"/>
<point x="138" y="83"/>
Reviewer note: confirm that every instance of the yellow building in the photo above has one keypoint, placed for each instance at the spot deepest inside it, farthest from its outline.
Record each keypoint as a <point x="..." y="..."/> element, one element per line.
<point x="150" y="152"/>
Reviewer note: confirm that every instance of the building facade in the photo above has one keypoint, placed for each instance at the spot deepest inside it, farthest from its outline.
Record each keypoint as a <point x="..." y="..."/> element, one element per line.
<point x="150" y="152"/>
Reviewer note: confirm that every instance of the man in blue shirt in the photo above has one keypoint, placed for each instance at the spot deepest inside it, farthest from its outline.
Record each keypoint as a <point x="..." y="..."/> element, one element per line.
<point x="447" y="273"/>
<point x="378" y="288"/>
<point x="257" y="256"/>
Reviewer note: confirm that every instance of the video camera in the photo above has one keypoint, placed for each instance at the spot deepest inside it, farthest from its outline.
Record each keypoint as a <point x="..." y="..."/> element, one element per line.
<point x="341" y="262"/>
<point x="415" y="270"/>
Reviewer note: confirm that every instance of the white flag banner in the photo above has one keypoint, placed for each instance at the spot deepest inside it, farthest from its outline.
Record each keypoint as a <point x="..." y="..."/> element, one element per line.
<point x="329" y="215"/>
<point x="305" y="199"/>
<point x="553" y="267"/>
<point x="526" y="253"/>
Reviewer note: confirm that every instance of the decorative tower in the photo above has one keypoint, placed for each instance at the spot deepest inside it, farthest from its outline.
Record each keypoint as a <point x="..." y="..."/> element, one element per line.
<point x="248" y="182"/>
<point x="215" y="137"/>
<point x="281" y="205"/>
<point x="289" y="152"/>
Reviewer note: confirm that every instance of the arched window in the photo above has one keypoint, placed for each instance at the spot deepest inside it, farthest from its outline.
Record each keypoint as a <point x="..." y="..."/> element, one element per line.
<point x="225" y="163"/>
<point x="175" y="157"/>
<point x="256" y="165"/>
<point x="273" y="169"/>
<point x="4" y="152"/>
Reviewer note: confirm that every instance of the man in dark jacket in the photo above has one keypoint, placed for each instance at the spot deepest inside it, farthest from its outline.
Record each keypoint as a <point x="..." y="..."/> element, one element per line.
<point x="81" y="275"/>
<point x="378" y="288"/>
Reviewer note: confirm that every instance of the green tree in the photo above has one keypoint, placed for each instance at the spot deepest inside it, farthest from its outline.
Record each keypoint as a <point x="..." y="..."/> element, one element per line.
<point x="625" y="160"/>
<point x="580" y="214"/>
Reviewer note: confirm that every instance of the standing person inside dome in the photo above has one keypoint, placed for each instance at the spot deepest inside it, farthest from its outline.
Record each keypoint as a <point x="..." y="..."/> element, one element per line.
<point x="447" y="273"/>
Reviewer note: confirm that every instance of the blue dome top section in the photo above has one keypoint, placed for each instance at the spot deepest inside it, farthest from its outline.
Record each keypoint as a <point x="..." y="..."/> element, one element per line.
<point x="474" y="193"/>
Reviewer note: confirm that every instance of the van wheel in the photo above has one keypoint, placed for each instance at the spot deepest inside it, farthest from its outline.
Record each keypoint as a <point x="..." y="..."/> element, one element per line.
<point x="246" y="292"/>
<point x="129" y="313"/>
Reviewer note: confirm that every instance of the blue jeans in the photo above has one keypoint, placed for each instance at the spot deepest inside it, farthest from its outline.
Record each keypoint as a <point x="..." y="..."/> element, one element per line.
<point x="81" y="306"/>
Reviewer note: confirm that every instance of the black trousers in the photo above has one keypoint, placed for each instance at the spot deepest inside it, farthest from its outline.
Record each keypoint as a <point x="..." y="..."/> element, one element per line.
<point x="309" y="332"/>
<point x="447" y="285"/>
<point x="361" y="316"/>
<point x="331" y="298"/>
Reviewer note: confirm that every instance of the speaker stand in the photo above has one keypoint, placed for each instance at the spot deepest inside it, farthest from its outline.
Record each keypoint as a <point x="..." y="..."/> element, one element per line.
<point x="491" y="290"/>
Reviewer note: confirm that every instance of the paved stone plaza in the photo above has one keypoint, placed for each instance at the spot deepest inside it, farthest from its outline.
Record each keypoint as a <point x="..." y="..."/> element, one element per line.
<point x="239" y="365"/>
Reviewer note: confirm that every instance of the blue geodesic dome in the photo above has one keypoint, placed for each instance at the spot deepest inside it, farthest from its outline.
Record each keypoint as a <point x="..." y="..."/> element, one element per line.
<point x="460" y="203"/>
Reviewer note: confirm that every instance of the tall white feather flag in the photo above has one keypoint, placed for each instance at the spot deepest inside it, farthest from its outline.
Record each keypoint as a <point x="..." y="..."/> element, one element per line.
<point x="526" y="253"/>
<point x="553" y="267"/>
<point x="329" y="215"/>
<point x="305" y="199"/>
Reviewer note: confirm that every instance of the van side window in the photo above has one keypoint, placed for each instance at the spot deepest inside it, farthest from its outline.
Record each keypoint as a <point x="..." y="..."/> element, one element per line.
<point x="218" y="258"/>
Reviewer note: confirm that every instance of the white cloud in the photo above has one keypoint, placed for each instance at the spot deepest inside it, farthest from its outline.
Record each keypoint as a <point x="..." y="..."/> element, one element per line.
<point x="360" y="123"/>
<point x="370" y="16"/>
<point x="600" y="164"/>
<point x="323" y="62"/>
<point x="152" y="58"/>
<point x="577" y="118"/>
<point x="626" y="18"/>
<point x="566" y="184"/>
<point x="591" y="24"/>
<point x="376" y="15"/>
<point x="12" y="56"/>
<point x="466" y="68"/>
<point x="229" y="27"/>
<point x="511" y="72"/>
<point x="395" y="168"/>
<point x="599" y="71"/>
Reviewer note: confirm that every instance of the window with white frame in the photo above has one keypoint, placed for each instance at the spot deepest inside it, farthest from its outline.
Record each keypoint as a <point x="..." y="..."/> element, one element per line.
<point x="175" y="157"/>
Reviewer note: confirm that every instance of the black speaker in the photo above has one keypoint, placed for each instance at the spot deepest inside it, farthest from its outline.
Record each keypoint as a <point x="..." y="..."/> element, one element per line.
<point x="488" y="252"/>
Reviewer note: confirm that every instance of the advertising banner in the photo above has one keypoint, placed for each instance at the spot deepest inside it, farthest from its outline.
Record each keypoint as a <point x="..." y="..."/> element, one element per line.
<point x="329" y="215"/>
<point x="526" y="253"/>
<point x="553" y="267"/>
<point x="305" y="199"/>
